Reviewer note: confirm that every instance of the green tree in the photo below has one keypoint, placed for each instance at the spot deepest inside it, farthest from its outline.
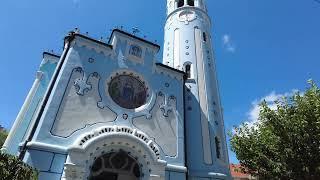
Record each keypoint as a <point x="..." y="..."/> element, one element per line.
<point x="3" y="136"/>
<point x="12" y="168"/>
<point x="285" y="142"/>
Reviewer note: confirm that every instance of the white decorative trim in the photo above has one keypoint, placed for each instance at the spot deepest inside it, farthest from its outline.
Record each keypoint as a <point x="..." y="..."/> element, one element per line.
<point x="217" y="175"/>
<point x="171" y="167"/>
<point x="47" y="147"/>
<point x="124" y="37"/>
<point x="8" y="144"/>
<point x="107" y="51"/>
<point x="195" y="9"/>
<point x="176" y="49"/>
<point x="170" y="73"/>
<point x="39" y="75"/>
<point x="49" y="59"/>
<point x="73" y="172"/>
<point x="203" y="100"/>
<point x="116" y="130"/>
<point x="112" y="139"/>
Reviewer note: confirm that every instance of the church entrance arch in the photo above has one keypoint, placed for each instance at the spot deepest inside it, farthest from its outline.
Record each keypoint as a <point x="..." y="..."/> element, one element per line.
<point x="115" y="166"/>
<point x="115" y="153"/>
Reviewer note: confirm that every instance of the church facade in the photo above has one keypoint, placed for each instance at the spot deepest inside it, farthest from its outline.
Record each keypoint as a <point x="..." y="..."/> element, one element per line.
<point x="113" y="111"/>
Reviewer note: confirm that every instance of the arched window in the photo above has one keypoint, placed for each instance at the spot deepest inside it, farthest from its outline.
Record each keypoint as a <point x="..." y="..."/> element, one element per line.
<point x="191" y="2"/>
<point x="188" y="70"/>
<point x="135" y="50"/>
<point x="115" y="165"/>
<point x="218" y="147"/>
<point x="204" y="37"/>
<point x="180" y="3"/>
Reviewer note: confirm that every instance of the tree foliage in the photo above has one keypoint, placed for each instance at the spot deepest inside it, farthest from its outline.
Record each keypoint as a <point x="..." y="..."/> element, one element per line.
<point x="11" y="168"/>
<point x="285" y="142"/>
<point x="3" y="136"/>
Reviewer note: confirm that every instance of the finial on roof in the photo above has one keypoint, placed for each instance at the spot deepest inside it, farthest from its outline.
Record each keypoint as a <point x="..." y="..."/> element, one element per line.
<point x="135" y="30"/>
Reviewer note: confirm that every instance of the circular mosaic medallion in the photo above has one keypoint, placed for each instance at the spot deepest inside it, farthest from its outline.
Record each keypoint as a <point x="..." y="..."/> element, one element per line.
<point x="128" y="91"/>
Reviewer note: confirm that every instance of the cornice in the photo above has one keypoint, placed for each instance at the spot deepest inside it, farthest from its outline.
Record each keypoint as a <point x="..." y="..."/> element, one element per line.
<point x="192" y="8"/>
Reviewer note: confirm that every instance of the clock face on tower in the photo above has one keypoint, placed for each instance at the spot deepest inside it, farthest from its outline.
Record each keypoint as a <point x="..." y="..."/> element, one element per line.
<point x="128" y="91"/>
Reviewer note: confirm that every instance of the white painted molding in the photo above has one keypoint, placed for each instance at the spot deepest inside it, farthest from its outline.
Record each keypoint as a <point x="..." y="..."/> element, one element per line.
<point x="50" y="59"/>
<point x="88" y="147"/>
<point x="98" y="48"/>
<point x="39" y="75"/>
<point x="217" y="175"/>
<point x="170" y="73"/>
<point x="22" y="113"/>
<point x="47" y="147"/>
<point x="172" y="167"/>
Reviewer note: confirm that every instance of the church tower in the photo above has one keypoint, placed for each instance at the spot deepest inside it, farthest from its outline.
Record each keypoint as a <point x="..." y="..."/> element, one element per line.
<point x="188" y="47"/>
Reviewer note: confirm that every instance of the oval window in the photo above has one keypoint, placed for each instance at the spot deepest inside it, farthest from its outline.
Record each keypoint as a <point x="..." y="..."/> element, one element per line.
<point x="128" y="91"/>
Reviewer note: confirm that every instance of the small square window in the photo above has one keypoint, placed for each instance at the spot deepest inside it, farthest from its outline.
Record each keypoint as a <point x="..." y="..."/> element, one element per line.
<point x="135" y="51"/>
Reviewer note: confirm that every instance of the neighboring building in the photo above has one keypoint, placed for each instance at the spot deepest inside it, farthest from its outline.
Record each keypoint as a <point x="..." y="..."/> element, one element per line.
<point x="238" y="175"/>
<point x="111" y="111"/>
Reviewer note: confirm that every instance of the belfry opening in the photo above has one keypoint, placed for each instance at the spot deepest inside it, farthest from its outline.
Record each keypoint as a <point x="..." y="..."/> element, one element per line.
<point x="191" y="2"/>
<point x="180" y="3"/>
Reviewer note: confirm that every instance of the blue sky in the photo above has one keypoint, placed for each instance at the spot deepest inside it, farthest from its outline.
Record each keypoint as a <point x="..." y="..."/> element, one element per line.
<point x="263" y="49"/>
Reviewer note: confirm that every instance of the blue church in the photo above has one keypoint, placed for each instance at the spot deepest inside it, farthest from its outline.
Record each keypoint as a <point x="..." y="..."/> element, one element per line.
<point x="113" y="111"/>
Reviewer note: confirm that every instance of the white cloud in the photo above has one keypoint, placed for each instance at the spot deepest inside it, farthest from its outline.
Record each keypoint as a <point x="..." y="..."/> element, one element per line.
<point x="254" y="112"/>
<point x="228" y="43"/>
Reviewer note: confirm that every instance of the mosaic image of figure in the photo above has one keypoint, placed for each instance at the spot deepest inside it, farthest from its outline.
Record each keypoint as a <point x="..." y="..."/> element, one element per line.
<point x="127" y="91"/>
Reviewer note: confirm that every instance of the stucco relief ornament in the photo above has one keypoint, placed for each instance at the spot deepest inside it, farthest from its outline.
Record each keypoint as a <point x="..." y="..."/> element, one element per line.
<point x="167" y="107"/>
<point x="82" y="86"/>
<point x="187" y="16"/>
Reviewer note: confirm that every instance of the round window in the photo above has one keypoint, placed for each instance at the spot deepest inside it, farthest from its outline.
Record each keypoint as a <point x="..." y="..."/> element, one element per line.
<point x="128" y="91"/>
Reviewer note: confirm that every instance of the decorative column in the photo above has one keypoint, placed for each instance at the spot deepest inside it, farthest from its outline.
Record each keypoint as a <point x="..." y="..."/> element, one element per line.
<point x="17" y="123"/>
